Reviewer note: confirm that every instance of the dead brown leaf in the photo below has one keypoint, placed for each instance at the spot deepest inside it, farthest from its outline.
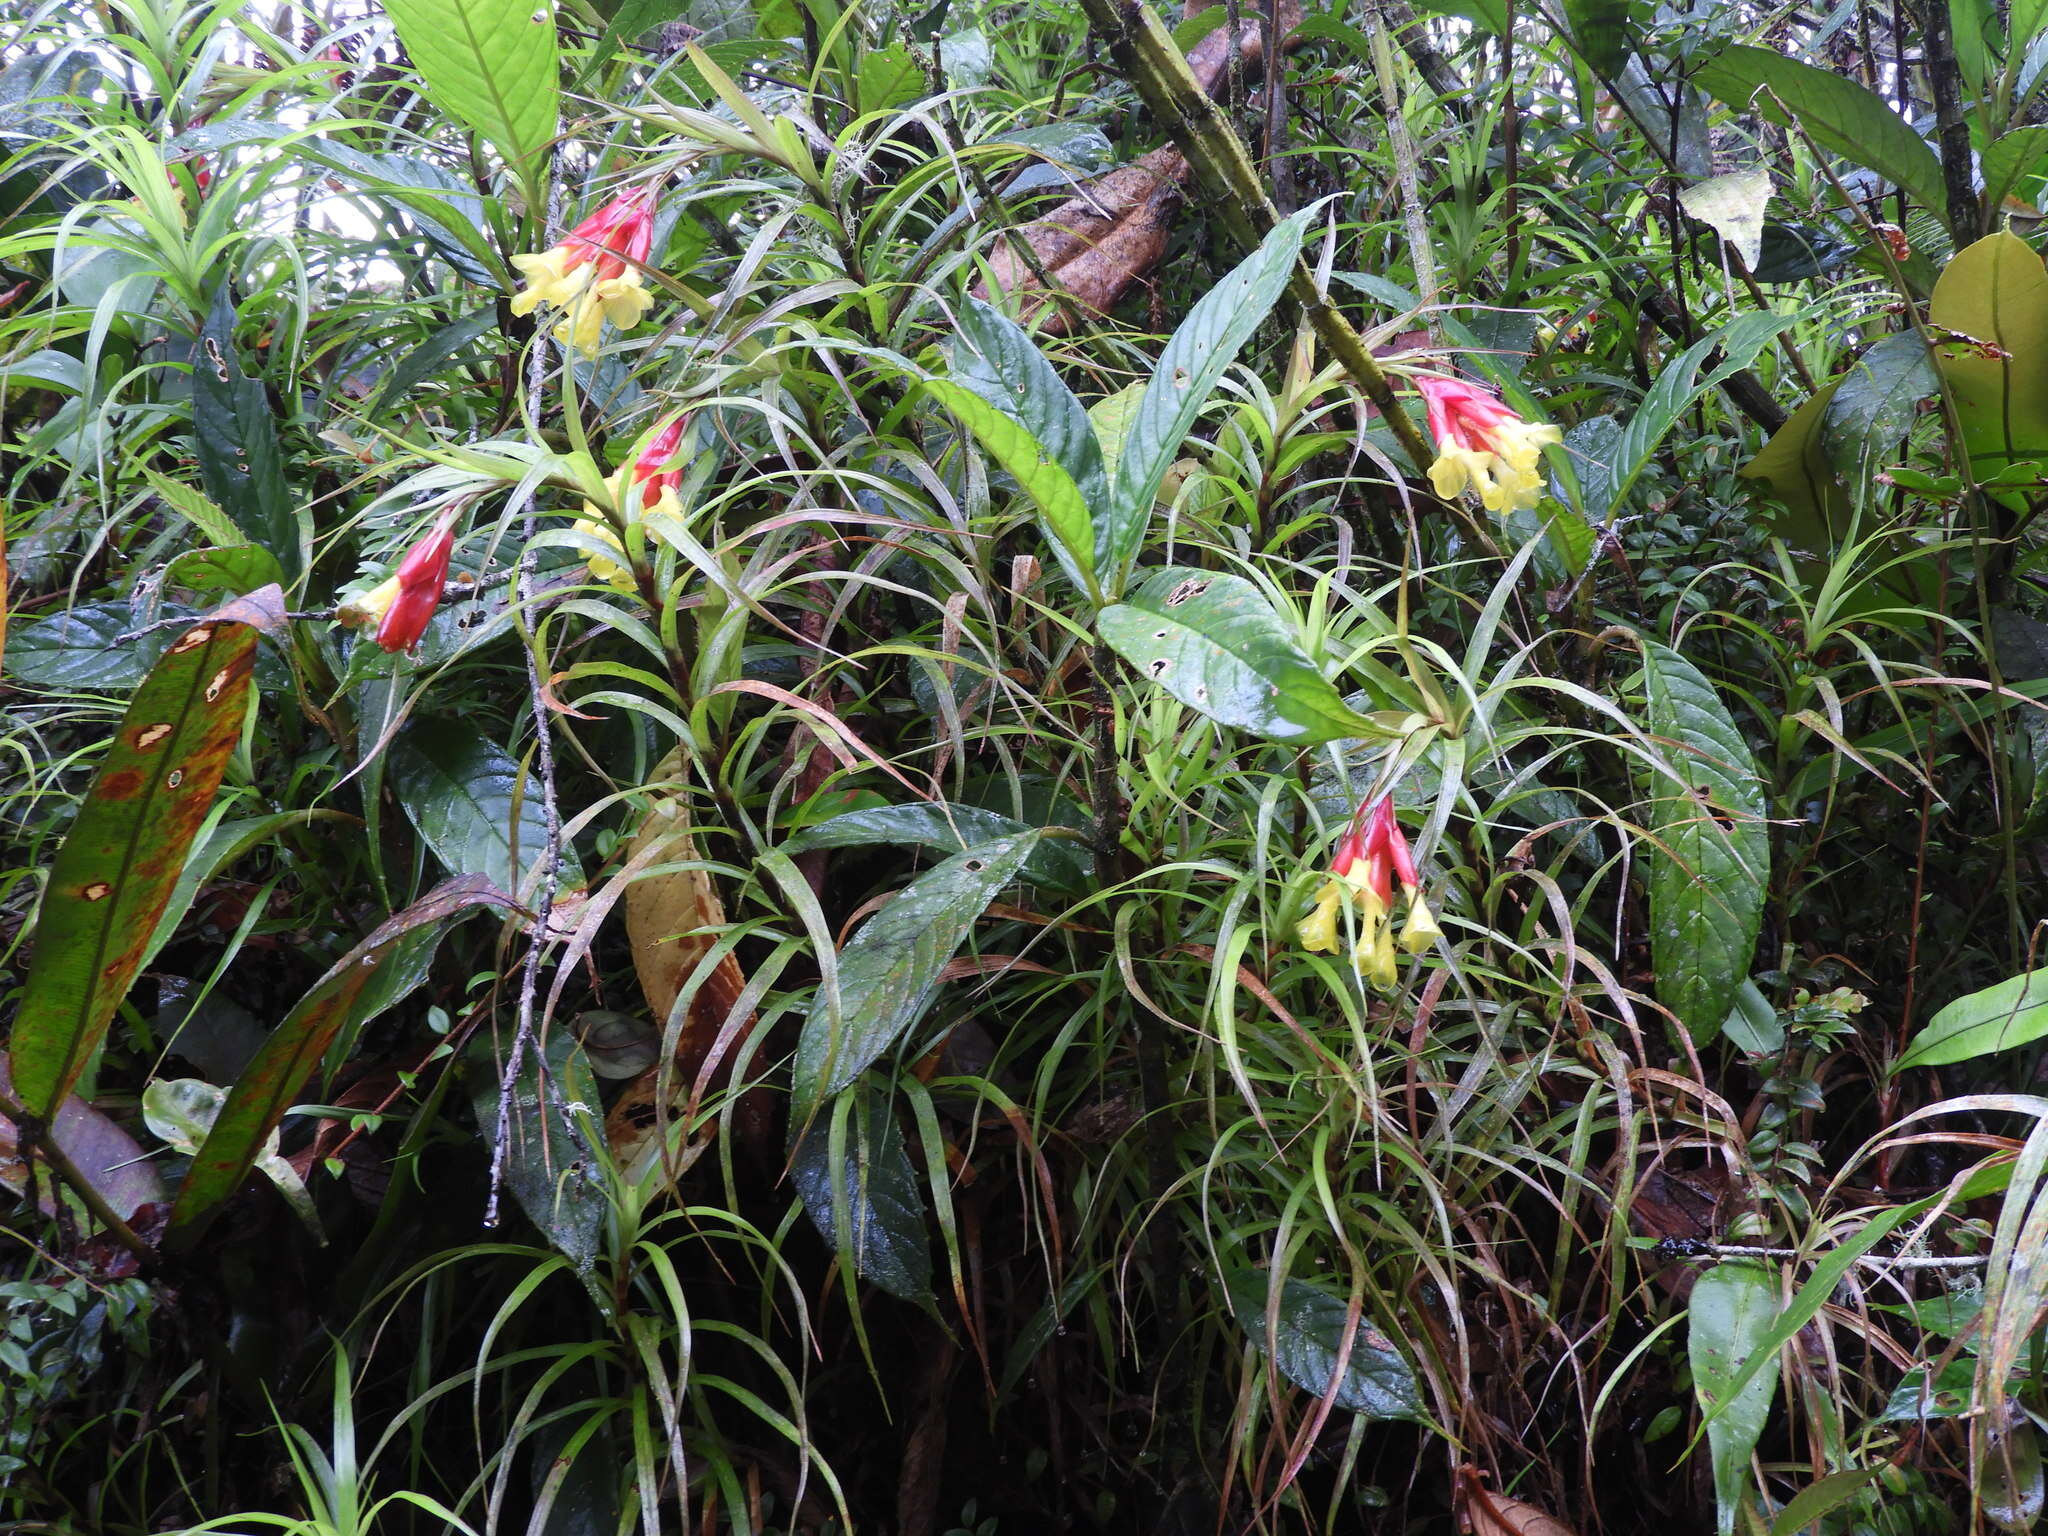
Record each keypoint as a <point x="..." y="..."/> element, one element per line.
<point x="672" y="921"/>
<point x="1485" y="1513"/>
<point x="1112" y="232"/>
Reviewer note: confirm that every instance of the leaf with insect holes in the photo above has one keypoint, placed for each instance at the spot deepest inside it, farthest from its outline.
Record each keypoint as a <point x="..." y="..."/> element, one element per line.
<point x="1214" y="642"/>
<point x="889" y="970"/>
<point x="1711" y="853"/>
<point x="234" y="437"/>
<point x="270" y="1084"/>
<point x="120" y="862"/>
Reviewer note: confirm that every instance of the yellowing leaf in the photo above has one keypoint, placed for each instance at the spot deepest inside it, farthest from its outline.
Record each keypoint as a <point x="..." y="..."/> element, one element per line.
<point x="1993" y="298"/>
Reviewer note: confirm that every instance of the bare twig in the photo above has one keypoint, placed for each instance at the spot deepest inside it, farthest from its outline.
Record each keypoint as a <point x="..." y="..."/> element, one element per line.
<point x="1700" y="1248"/>
<point x="544" y="765"/>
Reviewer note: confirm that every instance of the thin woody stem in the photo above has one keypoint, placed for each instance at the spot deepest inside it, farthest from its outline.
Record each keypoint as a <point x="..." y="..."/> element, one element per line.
<point x="36" y="1139"/>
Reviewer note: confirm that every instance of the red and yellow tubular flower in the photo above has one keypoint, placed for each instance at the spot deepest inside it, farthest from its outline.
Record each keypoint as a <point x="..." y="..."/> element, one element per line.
<point x="646" y="485"/>
<point x="403" y="602"/>
<point x="1371" y="858"/>
<point x="594" y="274"/>
<point x="1481" y="442"/>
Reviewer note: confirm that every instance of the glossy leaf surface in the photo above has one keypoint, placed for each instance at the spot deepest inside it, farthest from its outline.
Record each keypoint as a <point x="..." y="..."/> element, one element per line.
<point x="889" y="970"/>
<point x="1213" y="641"/>
<point x="863" y="1195"/>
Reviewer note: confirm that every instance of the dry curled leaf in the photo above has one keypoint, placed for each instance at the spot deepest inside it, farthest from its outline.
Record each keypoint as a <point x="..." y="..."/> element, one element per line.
<point x="1483" y="1512"/>
<point x="1096" y="243"/>
<point x="672" y="921"/>
<point x="1112" y="232"/>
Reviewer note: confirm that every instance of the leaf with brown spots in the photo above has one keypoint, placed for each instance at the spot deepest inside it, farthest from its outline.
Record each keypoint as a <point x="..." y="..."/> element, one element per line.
<point x="270" y="1083"/>
<point x="121" y="861"/>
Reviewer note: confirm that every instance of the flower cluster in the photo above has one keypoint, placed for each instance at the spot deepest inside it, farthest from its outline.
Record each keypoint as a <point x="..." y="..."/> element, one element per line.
<point x="594" y="274"/>
<point x="1481" y="442"/>
<point x="1370" y="858"/>
<point x="403" y="602"/>
<point x="646" y="485"/>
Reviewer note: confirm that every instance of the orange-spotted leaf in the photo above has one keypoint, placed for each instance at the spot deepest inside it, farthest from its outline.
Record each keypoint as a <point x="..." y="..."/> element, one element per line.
<point x="120" y="863"/>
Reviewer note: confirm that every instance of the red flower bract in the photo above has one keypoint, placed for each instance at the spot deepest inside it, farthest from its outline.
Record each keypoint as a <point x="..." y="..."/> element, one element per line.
<point x="404" y="601"/>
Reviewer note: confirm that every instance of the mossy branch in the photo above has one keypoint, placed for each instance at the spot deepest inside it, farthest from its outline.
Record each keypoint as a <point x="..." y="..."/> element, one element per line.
<point x="1148" y="56"/>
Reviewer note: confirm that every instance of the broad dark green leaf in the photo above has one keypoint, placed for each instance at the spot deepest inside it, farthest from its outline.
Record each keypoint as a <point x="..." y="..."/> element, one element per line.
<point x="1068" y="523"/>
<point x="1682" y="136"/>
<point x="272" y="1082"/>
<point x="1753" y="1024"/>
<point x="993" y="356"/>
<point x="118" y="866"/>
<point x="469" y="800"/>
<point x="1739" y="1373"/>
<point x="1595" y="447"/>
<point x="1600" y="33"/>
<point x="238" y="569"/>
<point x="890" y="968"/>
<point x="1206" y="343"/>
<point x="449" y="214"/>
<point x="1999" y="1018"/>
<point x="1996" y="292"/>
<point x="549" y="1162"/>
<point x="888" y="77"/>
<point x="491" y="63"/>
<point x="1951" y="1394"/>
<point x="1842" y="115"/>
<point x="1215" y="643"/>
<point x="1874" y="403"/>
<point x="855" y="1178"/>
<point x="2012" y="1491"/>
<point x="1795" y="465"/>
<point x="1061" y="862"/>
<point x="1307" y="1339"/>
<point x="79" y="650"/>
<point x="234" y="437"/>
<point x="1712" y="853"/>
<point x="428" y="358"/>
<point x="1733" y="1307"/>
